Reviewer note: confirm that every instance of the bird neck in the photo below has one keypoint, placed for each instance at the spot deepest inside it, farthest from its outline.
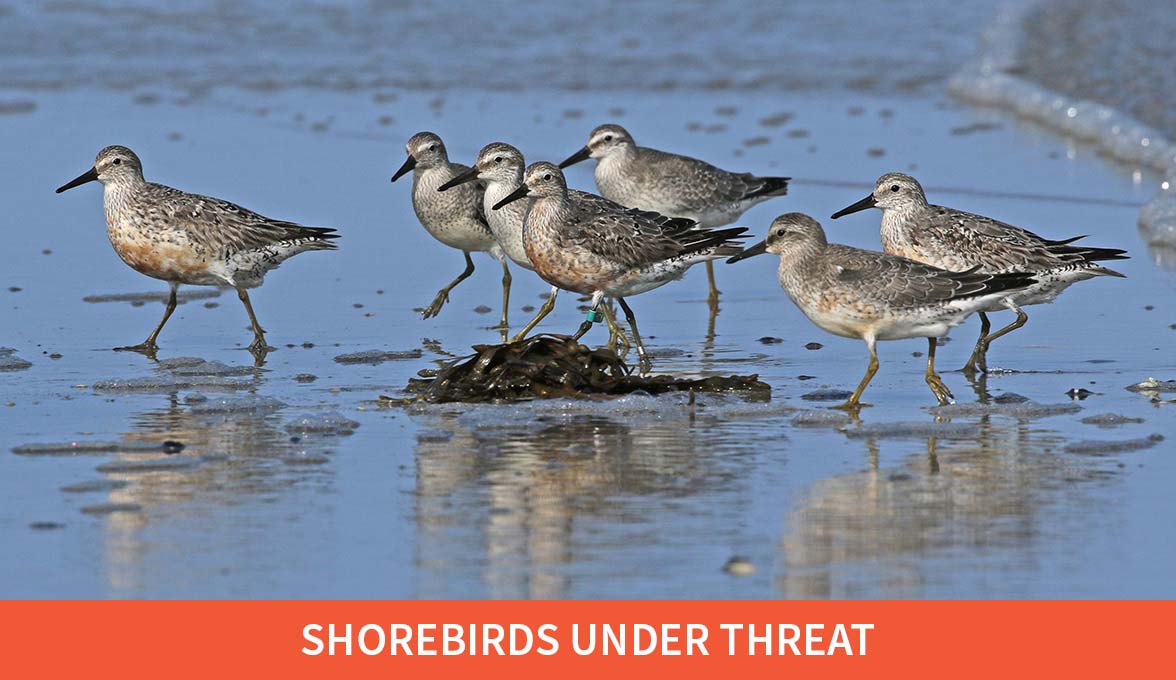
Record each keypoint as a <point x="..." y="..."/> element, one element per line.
<point x="543" y="214"/>
<point x="896" y="222"/>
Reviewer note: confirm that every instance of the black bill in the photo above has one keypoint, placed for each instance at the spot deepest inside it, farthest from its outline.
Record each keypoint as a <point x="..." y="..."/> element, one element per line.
<point x="409" y="164"/>
<point x="467" y="176"/>
<point x="515" y="195"/>
<point x="864" y="204"/>
<point x="751" y="251"/>
<point x="581" y="155"/>
<point x="87" y="176"/>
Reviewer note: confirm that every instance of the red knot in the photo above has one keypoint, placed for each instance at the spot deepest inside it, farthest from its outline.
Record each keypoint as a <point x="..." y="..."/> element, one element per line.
<point x="671" y="184"/>
<point x="600" y="248"/>
<point x="957" y="240"/>
<point x="874" y="296"/>
<point x="456" y="218"/>
<point x="190" y="239"/>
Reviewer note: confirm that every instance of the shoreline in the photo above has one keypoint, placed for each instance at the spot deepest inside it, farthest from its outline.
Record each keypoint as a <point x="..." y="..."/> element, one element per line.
<point x="992" y="80"/>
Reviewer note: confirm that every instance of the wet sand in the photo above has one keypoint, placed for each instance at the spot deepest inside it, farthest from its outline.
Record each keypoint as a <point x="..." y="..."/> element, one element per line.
<point x="640" y="497"/>
<point x="220" y="479"/>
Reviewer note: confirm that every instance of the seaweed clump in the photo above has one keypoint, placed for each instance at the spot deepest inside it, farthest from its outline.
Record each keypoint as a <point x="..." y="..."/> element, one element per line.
<point x="555" y="366"/>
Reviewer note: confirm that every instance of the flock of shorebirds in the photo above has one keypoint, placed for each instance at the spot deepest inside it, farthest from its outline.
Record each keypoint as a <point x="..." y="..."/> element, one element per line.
<point x="657" y="215"/>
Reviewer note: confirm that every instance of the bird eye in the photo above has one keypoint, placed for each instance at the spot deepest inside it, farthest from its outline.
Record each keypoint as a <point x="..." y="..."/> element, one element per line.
<point x="608" y="138"/>
<point x="117" y="161"/>
<point x="547" y="177"/>
<point x="432" y="147"/>
<point x="498" y="159"/>
<point x="780" y="231"/>
<point x="894" y="187"/>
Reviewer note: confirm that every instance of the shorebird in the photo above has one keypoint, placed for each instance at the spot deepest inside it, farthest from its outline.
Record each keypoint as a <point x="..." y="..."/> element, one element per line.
<point x="674" y="185"/>
<point x="958" y="240"/>
<point x="500" y="166"/>
<point x="874" y="296"/>
<point x="190" y="239"/>
<point x="600" y="248"/>
<point x="455" y="218"/>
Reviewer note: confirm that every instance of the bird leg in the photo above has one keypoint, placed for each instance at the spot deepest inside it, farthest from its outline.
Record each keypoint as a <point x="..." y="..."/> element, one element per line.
<point x="981" y="352"/>
<point x="548" y="305"/>
<point x="505" y="295"/>
<point x="593" y="316"/>
<point x="713" y="298"/>
<point x="977" y="359"/>
<point x="854" y="402"/>
<point x="258" y="345"/>
<point x="443" y="295"/>
<point x="940" y="390"/>
<point x="643" y="361"/>
<point x="148" y="346"/>
<point x="616" y="335"/>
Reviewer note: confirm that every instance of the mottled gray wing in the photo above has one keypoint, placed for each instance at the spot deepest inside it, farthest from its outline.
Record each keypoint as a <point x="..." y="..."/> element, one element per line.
<point x="630" y="236"/>
<point x="897" y="281"/>
<point x="693" y="185"/>
<point x="585" y="197"/>
<point x="992" y="244"/>
<point x="226" y="227"/>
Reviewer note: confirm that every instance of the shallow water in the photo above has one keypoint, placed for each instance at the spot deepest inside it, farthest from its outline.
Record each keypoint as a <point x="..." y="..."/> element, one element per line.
<point x="293" y="481"/>
<point x="1084" y="48"/>
<point x="357" y="45"/>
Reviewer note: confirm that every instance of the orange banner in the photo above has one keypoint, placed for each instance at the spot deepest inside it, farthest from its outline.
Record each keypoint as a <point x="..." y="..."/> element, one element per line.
<point x="295" y="639"/>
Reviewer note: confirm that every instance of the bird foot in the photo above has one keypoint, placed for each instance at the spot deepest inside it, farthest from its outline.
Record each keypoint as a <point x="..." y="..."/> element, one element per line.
<point x="977" y="363"/>
<point x="942" y="393"/>
<point x="260" y="345"/>
<point x="147" y="349"/>
<point x="434" y="308"/>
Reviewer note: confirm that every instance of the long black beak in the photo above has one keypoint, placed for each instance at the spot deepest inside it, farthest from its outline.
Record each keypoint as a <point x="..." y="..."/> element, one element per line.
<point x="87" y="176"/>
<point x="864" y="204"/>
<point x="581" y="155"/>
<point x="409" y="164"/>
<point x="515" y="195"/>
<point x="750" y="251"/>
<point x="467" y="176"/>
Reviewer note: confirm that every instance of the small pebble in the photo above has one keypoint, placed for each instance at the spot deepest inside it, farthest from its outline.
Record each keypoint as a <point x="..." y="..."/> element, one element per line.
<point x="739" y="566"/>
<point x="45" y="526"/>
<point x="813" y="346"/>
<point x="482" y="309"/>
<point x="769" y="340"/>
